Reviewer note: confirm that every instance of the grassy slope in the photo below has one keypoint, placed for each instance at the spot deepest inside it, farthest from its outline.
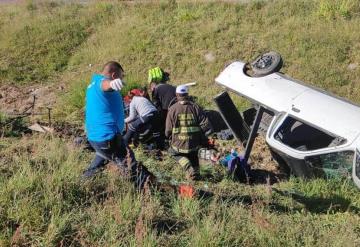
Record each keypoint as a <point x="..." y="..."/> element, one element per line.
<point x="42" y="196"/>
<point x="42" y="200"/>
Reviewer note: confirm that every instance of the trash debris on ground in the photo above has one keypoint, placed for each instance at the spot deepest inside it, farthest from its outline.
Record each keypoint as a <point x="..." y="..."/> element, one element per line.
<point x="233" y="154"/>
<point x="205" y="153"/>
<point x="186" y="191"/>
<point x="225" y="135"/>
<point x="41" y="128"/>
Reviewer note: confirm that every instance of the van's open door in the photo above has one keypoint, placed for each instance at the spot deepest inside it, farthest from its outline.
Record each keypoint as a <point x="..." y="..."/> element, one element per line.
<point x="232" y="117"/>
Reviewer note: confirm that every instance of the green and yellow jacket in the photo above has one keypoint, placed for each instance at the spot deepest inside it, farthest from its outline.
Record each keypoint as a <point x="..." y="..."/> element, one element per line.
<point x="187" y="125"/>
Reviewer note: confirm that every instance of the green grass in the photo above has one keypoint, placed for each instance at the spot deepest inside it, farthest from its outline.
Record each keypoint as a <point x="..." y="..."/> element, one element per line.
<point x="316" y="49"/>
<point x="338" y="9"/>
<point x="44" y="38"/>
<point x="43" y="201"/>
<point x="49" y="42"/>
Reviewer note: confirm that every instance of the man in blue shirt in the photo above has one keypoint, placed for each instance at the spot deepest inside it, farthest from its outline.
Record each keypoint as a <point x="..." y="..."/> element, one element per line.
<point x="104" y="118"/>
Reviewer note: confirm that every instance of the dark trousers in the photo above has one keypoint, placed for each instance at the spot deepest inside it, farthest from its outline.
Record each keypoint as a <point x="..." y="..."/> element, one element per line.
<point x="163" y="115"/>
<point x="162" y="123"/>
<point x="110" y="150"/>
<point x="115" y="150"/>
<point x="140" y="125"/>
<point x="188" y="161"/>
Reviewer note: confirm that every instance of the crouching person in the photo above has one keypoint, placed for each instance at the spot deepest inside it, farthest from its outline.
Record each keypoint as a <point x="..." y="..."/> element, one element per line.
<point x="104" y="118"/>
<point x="104" y="121"/>
<point x="187" y="126"/>
<point x="143" y="117"/>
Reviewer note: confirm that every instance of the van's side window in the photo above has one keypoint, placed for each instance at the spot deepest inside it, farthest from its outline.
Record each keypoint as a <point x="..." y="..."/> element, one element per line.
<point x="303" y="137"/>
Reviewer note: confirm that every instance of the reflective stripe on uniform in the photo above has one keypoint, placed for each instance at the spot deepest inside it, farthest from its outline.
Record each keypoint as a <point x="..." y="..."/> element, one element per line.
<point x="185" y="151"/>
<point x="187" y="122"/>
<point x="185" y="137"/>
<point x="186" y="130"/>
<point x="156" y="134"/>
<point x="186" y="116"/>
<point x="184" y="162"/>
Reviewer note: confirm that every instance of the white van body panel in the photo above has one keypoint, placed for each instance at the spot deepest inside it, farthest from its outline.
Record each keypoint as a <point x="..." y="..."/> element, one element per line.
<point x="288" y="97"/>
<point x="279" y="93"/>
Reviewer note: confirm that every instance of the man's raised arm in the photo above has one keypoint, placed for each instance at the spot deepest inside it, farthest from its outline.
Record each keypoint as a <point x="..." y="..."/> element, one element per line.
<point x="112" y="85"/>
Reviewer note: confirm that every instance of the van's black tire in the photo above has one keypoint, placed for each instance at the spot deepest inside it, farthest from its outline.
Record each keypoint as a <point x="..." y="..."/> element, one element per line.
<point x="266" y="64"/>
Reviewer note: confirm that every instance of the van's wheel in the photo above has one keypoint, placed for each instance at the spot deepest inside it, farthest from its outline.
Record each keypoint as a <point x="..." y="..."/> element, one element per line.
<point x="266" y="64"/>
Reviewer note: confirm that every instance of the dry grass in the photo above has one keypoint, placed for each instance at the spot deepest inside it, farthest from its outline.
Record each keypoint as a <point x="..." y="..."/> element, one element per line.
<point x="43" y="201"/>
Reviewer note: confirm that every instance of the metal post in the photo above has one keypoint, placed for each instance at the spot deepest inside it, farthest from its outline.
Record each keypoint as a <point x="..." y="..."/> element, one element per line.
<point x="33" y="105"/>
<point x="49" y="115"/>
<point x="253" y="132"/>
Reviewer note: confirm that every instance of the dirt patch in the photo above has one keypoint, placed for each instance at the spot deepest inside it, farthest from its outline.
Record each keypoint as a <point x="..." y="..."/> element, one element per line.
<point x="35" y="99"/>
<point x="32" y="104"/>
<point x="264" y="169"/>
<point x="67" y="130"/>
<point x="261" y="158"/>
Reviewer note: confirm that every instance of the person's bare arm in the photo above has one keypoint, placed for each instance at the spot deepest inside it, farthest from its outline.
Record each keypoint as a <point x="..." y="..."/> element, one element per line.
<point x="111" y="85"/>
<point x="105" y="86"/>
<point x="133" y="113"/>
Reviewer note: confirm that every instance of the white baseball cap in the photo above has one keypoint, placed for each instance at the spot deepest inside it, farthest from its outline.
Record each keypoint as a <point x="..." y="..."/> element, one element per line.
<point x="182" y="89"/>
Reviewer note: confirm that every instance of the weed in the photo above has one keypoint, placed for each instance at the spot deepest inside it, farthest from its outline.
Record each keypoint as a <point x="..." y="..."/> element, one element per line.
<point x="12" y="126"/>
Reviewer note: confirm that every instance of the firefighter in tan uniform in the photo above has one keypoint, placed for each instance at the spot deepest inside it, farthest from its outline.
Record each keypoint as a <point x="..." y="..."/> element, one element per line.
<point x="187" y="127"/>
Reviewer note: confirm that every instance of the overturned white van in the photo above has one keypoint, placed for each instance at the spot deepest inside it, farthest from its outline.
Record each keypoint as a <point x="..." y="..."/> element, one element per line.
<point x="310" y="132"/>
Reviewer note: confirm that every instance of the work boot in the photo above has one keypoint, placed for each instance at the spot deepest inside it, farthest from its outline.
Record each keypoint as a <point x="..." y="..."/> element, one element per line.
<point x="140" y="175"/>
<point x="193" y="173"/>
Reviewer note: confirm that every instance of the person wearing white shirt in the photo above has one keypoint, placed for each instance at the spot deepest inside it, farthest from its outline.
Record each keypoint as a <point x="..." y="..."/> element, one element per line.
<point x="143" y="116"/>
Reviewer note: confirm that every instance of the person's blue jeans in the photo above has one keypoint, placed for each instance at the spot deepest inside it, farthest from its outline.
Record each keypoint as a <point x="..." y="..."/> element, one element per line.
<point x="116" y="151"/>
<point x="111" y="150"/>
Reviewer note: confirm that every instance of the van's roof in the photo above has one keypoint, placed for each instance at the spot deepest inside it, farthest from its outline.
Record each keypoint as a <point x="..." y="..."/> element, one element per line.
<point x="282" y="94"/>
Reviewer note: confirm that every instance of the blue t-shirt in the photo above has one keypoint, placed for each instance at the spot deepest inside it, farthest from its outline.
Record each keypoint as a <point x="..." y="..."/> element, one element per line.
<point x="104" y="113"/>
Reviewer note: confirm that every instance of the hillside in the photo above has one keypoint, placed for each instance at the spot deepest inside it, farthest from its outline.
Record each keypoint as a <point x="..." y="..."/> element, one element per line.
<point x="51" y="48"/>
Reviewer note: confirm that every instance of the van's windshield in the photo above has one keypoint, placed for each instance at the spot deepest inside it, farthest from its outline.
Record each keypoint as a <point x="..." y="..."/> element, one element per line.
<point x="332" y="165"/>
